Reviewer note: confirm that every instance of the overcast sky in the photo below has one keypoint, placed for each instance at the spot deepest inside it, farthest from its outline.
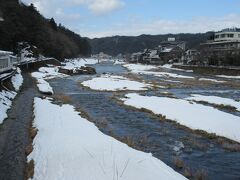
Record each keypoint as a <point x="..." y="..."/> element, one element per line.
<point x="99" y="18"/>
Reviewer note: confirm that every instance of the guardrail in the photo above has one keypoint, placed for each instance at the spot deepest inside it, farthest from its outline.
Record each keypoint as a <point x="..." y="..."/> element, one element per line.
<point x="2" y="79"/>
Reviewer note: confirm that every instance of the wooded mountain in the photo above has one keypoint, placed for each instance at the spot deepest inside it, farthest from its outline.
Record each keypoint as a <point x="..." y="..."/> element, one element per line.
<point x="24" y="23"/>
<point x="130" y="44"/>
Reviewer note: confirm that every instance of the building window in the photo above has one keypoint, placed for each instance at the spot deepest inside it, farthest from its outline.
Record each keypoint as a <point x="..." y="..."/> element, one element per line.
<point x="217" y="36"/>
<point x="222" y="35"/>
<point x="230" y="35"/>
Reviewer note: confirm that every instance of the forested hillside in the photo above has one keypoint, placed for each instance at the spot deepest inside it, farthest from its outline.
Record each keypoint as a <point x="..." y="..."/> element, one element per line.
<point x="25" y="24"/>
<point x="129" y="44"/>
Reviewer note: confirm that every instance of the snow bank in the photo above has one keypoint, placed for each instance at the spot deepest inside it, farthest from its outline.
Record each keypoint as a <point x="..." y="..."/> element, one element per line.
<point x="114" y="83"/>
<point x="68" y="147"/>
<point x="212" y="80"/>
<point x="118" y="62"/>
<point x="190" y="114"/>
<point x="46" y="73"/>
<point x="6" y="98"/>
<point x="215" y="100"/>
<point x="228" y="77"/>
<point x="139" y="68"/>
<point x="171" y="75"/>
<point x="17" y="80"/>
<point x="78" y="62"/>
<point x="169" y="66"/>
<point x="144" y="69"/>
<point x="44" y="86"/>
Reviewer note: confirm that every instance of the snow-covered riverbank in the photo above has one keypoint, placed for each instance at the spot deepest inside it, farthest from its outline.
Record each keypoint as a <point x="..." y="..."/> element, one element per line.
<point x="190" y="114"/>
<point x="152" y="70"/>
<point x="68" y="146"/>
<point x="6" y="97"/>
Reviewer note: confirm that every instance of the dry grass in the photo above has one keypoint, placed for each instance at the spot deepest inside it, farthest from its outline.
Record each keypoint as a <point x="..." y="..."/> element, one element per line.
<point x="129" y="141"/>
<point x="63" y="98"/>
<point x="232" y="147"/>
<point x="33" y="132"/>
<point x="208" y="135"/>
<point x="188" y="173"/>
<point x="28" y="149"/>
<point x="221" y="106"/>
<point x="178" y="163"/>
<point x="29" y="172"/>
<point x="200" y="175"/>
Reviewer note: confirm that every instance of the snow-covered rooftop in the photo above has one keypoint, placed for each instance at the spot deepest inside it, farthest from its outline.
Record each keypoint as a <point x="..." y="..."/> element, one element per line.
<point x="5" y="52"/>
<point x="167" y="50"/>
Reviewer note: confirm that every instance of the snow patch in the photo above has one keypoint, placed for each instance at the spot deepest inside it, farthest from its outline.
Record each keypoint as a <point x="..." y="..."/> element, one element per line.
<point x="17" y="80"/>
<point x="6" y="98"/>
<point x="215" y="100"/>
<point x="114" y="83"/>
<point x="139" y="68"/>
<point x="212" y="80"/>
<point x="228" y="77"/>
<point x="117" y="62"/>
<point x="144" y="69"/>
<point x="170" y="66"/>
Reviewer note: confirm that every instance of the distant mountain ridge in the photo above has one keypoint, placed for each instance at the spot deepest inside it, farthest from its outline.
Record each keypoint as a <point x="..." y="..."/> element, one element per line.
<point x="130" y="44"/>
<point x="24" y="23"/>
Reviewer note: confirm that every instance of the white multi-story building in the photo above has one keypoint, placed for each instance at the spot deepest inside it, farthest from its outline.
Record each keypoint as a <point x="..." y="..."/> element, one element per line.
<point x="225" y="47"/>
<point x="225" y="40"/>
<point x="227" y="35"/>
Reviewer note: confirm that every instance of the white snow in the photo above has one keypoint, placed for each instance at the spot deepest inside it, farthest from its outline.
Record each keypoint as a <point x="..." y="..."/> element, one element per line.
<point x="212" y="80"/>
<point x="228" y="77"/>
<point x="171" y="75"/>
<point x="17" y="80"/>
<point x="68" y="147"/>
<point x="144" y="69"/>
<point x="118" y="62"/>
<point x="78" y="62"/>
<point x="44" y="86"/>
<point x="190" y="114"/>
<point x="4" y="75"/>
<point x="215" y="100"/>
<point x="139" y="68"/>
<point x="114" y="83"/>
<point x="46" y="73"/>
<point x="170" y="66"/>
<point x="6" y="98"/>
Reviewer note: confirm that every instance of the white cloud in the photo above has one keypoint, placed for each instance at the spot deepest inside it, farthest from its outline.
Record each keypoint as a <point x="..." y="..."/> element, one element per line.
<point x="104" y="6"/>
<point x="98" y="7"/>
<point x="163" y="26"/>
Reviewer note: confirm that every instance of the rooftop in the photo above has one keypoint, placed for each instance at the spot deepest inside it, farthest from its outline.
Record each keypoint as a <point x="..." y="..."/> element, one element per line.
<point x="230" y="30"/>
<point x="5" y="53"/>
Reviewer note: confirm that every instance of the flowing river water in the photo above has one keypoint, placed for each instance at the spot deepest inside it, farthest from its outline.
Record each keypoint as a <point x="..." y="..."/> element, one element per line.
<point x="201" y="156"/>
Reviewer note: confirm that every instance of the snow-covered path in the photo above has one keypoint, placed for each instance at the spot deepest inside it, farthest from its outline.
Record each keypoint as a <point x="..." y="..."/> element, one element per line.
<point x="14" y="133"/>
